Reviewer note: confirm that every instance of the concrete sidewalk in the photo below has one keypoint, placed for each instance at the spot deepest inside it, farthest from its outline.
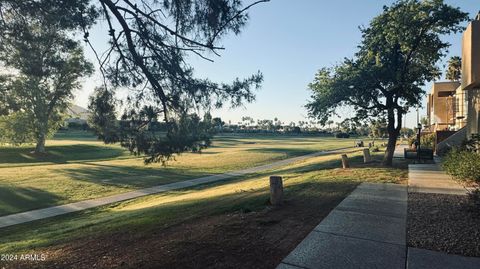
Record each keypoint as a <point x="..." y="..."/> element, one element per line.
<point x="399" y="151"/>
<point x="430" y="178"/>
<point x="39" y="214"/>
<point x="366" y="230"/>
<point x="427" y="259"/>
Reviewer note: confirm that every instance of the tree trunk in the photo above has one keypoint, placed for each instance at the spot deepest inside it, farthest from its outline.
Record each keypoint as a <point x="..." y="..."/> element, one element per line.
<point x="393" y="131"/>
<point x="392" y="141"/>
<point x="40" y="148"/>
<point x="42" y="133"/>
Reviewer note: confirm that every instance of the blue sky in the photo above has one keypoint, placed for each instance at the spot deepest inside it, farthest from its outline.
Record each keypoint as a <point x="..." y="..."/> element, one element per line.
<point x="288" y="41"/>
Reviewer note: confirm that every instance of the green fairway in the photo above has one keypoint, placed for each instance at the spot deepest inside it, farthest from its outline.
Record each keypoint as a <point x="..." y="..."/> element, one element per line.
<point x="78" y="167"/>
<point x="316" y="179"/>
<point x="66" y="147"/>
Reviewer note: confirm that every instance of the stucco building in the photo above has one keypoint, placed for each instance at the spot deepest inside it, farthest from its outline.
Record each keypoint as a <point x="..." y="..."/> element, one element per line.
<point x="471" y="75"/>
<point x="455" y="105"/>
<point x="441" y="106"/>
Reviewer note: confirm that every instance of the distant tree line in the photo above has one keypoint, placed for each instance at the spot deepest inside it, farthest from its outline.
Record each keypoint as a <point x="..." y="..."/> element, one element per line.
<point x="343" y="129"/>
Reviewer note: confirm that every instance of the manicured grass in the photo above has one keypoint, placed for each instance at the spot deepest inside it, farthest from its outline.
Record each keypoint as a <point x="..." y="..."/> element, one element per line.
<point x="315" y="179"/>
<point x="78" y="167"/>
<point x="66" y="147"/>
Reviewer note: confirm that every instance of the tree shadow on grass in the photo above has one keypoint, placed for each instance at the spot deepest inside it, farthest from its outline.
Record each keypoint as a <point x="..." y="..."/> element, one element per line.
<point x="289" y="152"/>
<point x="130" y="176"/>
<point x="147" y="176"/>
<point x="18" y="199"/>
<point x="313" y="195"/>
<point x="261" y="139"/>
<point x="59" y="154"/>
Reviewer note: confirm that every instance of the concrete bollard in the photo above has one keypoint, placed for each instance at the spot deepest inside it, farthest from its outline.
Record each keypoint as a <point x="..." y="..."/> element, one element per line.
<point x="366" y="156"/>
<point x="276" y="190"/>
<point x="345" y="163"/>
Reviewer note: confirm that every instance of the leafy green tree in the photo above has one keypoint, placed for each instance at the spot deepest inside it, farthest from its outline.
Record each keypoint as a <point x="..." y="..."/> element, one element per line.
<point x="103" y="117"/>
<point x="247" y="121"/>
<point x="150" y="43"/>
<point x="407" y="132"/>
<point x="454" y="71"/>
<point x="397" y="55"/>
<point x="218" y="124"/>
<point x="329" y="123"/>
<point x="345" y="126"/>
<point x="378" y="128"/>
<point x="424" y="121"/>
<point x="362" y="130"/>
<point x="7" y="102"/>
<point x="16" y="128"/>
<point x="44" y="67"/>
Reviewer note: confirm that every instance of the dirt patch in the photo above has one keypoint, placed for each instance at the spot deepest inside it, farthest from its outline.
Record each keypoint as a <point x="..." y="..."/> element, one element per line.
<point x="239" y="240"/>
<point x="443" y="222"/>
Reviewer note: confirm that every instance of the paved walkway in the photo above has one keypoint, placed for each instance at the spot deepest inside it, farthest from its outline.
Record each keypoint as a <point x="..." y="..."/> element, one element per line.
<point x="428" y="259"/>
<point x="399" y="151"/>
<point x="366" y="230"/>
<point x="430" y="178"/>
<point x="39" y="214"/>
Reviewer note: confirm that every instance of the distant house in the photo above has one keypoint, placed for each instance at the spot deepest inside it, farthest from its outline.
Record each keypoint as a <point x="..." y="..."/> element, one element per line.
<point x="77" y="115"/>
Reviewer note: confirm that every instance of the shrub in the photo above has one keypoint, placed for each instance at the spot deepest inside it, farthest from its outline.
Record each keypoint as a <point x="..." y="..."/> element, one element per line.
<point x="427" y="141"/>
<point x="463" y="165"/>
<point x="473" y="144"/>
<point x="411" y="140"/>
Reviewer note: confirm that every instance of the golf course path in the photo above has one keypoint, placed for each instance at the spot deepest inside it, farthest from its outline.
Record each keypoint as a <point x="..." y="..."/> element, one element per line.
<point x="48" y="212"/>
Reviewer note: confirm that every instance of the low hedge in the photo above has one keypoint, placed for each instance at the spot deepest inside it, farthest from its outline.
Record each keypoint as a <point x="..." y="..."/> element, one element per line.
<point x="463" y="165"/>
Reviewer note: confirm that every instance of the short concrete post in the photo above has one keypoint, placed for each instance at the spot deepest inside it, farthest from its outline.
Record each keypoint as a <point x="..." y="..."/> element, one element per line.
<point x="366" y="155"/>
<point x="345" y="163"/>
<point x="276" y="190"/>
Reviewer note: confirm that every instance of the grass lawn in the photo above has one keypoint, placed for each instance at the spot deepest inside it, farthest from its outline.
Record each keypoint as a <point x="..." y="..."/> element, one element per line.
<point x="78" y="167"/>
<point x="202" y="225"/>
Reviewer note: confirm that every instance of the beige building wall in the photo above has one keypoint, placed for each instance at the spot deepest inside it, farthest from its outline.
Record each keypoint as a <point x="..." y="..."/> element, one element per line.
<point x="441" y="105"/>
<point x="429" y="109"/>
<point x="473" y="120"/>
<point x="471" y="74"/>
<point x="461" y="107"/>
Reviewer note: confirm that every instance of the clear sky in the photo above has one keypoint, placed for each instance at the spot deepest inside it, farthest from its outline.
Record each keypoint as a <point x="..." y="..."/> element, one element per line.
<point x="288" y="41"/>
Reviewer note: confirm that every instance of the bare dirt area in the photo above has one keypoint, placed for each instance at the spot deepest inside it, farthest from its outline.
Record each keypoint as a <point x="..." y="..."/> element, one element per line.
<point x="238" y="240"/>
<point x="441" y="222"/>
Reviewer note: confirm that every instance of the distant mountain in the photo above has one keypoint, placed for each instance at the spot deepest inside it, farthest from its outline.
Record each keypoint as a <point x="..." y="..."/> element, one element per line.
<point x="77" y="113"/>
